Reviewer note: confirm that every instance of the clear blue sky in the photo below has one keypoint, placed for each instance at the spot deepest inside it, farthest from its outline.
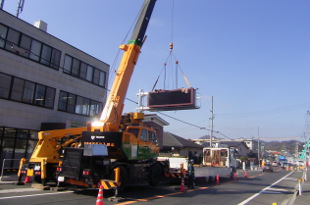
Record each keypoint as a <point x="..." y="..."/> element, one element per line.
<point x="251" y="55"/>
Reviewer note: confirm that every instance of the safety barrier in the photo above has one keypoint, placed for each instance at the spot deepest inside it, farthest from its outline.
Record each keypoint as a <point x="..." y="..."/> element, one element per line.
<point x="3" y="166"/>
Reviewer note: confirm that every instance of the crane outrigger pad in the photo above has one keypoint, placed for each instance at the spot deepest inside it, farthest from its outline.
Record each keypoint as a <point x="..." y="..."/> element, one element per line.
<point x="179" y="99"/>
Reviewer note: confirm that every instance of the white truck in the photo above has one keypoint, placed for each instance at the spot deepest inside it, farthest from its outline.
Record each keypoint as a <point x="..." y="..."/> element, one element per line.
<point x="219" y="161"/>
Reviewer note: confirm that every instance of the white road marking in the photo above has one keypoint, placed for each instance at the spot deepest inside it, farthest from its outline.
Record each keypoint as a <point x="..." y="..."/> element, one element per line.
<point x="17" y="190"/>
<point x="255" y="195"/>
<point x="279" y="190"/>
<point x="11" y="197"/>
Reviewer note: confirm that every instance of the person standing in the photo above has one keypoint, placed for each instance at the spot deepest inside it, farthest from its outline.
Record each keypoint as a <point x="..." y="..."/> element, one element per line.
<point x="191" y="174"/>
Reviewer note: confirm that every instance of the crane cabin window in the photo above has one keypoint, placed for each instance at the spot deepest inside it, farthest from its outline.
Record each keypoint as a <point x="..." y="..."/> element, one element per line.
<point x="152" y="137"/>
<point x="143" y="135"/>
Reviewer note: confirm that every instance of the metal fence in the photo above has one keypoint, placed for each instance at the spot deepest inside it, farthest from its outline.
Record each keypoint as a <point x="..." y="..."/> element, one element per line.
<point x="8" y="167"/>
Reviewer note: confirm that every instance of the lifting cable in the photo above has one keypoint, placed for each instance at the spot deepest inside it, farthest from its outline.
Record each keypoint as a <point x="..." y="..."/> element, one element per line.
<point x="171" y="57"/>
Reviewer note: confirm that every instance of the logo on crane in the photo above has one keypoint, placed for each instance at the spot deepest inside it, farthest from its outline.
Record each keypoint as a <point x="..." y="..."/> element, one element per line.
<point x="93" y="137"/>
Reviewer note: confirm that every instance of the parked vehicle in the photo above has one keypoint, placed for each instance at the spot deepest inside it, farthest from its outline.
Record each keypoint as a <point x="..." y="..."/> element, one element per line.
<point x="268" y="168"/>
<point x="219" y="161"/>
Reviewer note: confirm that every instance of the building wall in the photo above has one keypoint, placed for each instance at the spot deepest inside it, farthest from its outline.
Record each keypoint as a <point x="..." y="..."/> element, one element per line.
<point x="20" y="120"/>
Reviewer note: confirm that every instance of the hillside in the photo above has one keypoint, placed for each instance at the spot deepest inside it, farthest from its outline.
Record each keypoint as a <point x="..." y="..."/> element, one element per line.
<point x="283" y="146"/>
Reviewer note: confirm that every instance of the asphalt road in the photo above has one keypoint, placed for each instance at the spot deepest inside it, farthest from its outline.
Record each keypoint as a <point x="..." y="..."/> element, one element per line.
<point x="259" y="188"/>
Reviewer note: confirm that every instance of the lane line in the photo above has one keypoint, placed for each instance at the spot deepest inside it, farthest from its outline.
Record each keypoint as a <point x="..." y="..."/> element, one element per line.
<point x="12" y="197"/>
<point x="255" y="195"/>
<point x="159" y="196"/>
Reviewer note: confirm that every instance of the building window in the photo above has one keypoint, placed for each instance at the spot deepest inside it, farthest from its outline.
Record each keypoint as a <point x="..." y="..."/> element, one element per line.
<point x="72" y="103"/>
<point x="83" y="70"/>
<point x="102" y="79"/>
<point x="5" y="84"/>
<point x="17" y="90"/>
<point x="16" y="144"/>
<point x="40" y="95"/>
<point x="89" y="75"/>
<point x="3" y="33"/>
<point x="49" y="97"/>
<point x="35" y="50"/>
<point x="55" y="59"/>
<point x="96" y="76"/>
<point x="94" y="108"/>
<point x="67" y="64"/>
<point x="46" y="55"/>
<point x="23" y="45"/>
<point x="63" y="98"/>
<point x="26" y="91"/>
<point x="79" y="69"/>
<point x="12" y="40"/>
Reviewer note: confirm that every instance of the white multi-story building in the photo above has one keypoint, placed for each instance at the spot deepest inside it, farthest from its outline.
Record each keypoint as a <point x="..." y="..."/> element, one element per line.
<point x="45" y="83"/>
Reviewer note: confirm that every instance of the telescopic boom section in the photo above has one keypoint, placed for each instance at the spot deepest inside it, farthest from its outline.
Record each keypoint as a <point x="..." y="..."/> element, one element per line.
<point x="112" y="112"/>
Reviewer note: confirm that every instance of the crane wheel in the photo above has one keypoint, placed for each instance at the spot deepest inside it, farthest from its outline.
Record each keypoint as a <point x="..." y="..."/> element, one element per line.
<point x="155" y="175"/>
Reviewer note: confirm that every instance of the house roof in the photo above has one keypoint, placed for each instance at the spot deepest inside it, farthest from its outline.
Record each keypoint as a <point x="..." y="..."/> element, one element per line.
<point x="155" y="118"/>
<point x="228" y="143"/>
<point x="172" y="140"/>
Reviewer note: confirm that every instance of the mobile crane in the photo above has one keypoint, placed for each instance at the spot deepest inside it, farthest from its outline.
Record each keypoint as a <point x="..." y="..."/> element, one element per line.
<point x="44" y="160"/>
<point x="116" y="142"/>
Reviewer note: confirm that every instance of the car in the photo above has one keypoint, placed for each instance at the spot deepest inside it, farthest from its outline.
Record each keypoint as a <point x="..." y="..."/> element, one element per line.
<point x="268" y="167"/>
<point x="285" y="165"/>
<point x="274" y="164"/>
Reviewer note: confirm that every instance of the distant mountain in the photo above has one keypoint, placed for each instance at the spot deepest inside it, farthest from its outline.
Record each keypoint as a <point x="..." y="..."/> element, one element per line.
<point x="284" y="146"/>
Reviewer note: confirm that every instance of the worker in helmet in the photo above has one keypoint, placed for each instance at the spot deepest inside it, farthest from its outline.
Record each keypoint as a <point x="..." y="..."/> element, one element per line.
<point x="191" y="174"/>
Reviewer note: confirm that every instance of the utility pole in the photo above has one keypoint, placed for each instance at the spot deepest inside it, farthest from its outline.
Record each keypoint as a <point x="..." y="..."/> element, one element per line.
<point x="211" y="118"/>
<point x="258" y="149"/>
<point x="297" y="151"/>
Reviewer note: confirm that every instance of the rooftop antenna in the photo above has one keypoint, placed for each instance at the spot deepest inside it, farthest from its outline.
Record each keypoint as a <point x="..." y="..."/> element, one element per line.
<point x="20" y="7"/>
<point x="1" y="4"/>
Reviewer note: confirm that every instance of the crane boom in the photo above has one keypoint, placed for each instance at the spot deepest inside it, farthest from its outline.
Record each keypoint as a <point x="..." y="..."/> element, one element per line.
<point x="112" y="112"/>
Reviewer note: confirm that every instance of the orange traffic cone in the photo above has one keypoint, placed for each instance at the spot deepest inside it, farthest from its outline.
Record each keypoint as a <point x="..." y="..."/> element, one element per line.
<point x="27" y="180"/>
<point x="245" y="174"/>
<point x="182" y="188"/>
<point x="100" y="196"/>
<point x="217" y="179"/>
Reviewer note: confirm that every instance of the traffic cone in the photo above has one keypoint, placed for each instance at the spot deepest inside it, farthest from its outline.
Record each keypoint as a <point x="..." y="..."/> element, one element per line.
<point x="235" y="176"/>
<point x="245" y="174"/>
<point x="27" y="180"/>
<point x="182" y="187"/>
<point x="217" y="179"/>
<point x="100" y="196"/>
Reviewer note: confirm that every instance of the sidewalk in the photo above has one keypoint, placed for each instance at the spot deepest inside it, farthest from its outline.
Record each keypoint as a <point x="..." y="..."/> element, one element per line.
<point x="304" y="198"/>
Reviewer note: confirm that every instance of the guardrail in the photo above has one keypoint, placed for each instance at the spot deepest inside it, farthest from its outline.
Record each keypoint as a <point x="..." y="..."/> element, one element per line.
<point x="3" y="163"/>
